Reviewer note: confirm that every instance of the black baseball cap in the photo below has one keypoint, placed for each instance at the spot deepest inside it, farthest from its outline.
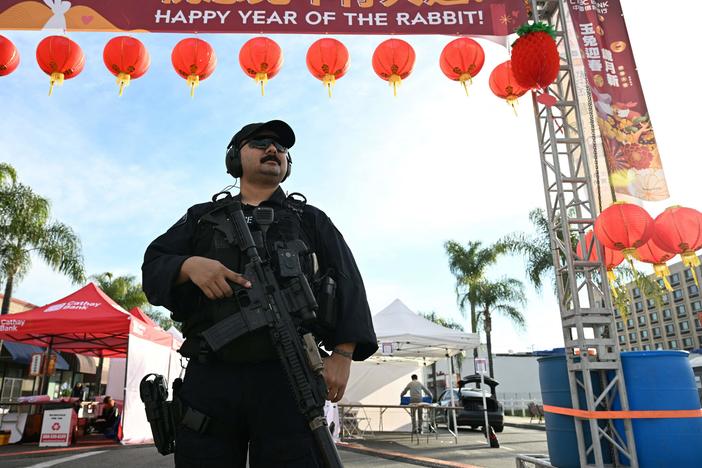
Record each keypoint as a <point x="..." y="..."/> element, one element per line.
<point x="286" y="136"/>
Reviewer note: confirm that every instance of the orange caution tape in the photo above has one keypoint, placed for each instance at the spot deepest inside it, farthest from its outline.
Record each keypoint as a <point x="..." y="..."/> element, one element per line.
<point x="641" y="414"/>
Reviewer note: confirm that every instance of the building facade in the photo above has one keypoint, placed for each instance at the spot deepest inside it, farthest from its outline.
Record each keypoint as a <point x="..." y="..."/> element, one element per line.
<point x="672" y="324"/>
<point x="18" y="305"/>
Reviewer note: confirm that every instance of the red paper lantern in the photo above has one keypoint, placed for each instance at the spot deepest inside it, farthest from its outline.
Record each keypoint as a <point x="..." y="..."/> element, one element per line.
<point x="393" y="61"/>
<point x="261" y="58"/>
<point x="60" y="58"/>
<point x="9" y="56"/>
<point x="678" y="230"/>
<point x="195" y="60"/>
<point x="504" y="86"/>
<point x="613" y="258"/>
<point x="651" y="253"/>
<point x="624" y="227"/>
<point x="328" y="60"/>
<point x="535" y="58"/>
<point x="461" y="60"/>
<point x="126" y="58"/>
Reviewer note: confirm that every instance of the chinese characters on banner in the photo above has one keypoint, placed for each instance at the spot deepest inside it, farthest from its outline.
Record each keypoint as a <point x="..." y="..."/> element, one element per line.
<point x="633" y="161"/>
<point x="35" y="365"/>
<point x="478" y="17"/>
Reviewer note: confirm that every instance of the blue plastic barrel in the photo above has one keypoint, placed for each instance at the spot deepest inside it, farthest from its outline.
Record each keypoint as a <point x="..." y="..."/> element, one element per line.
<point x="560" y="430"/>
<point x="663" y="380"/>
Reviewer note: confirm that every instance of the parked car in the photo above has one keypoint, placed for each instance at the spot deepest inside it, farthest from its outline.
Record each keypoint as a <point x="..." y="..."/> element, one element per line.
<point x="470" y="397"/>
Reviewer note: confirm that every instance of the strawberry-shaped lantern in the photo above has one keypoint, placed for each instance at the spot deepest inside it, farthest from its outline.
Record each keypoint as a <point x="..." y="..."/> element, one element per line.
<point x="535" y="59"/>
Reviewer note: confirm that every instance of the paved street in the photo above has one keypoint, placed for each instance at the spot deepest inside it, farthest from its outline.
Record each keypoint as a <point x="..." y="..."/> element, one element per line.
<point x="147" y="457"/>
<point x="470" y="450"/>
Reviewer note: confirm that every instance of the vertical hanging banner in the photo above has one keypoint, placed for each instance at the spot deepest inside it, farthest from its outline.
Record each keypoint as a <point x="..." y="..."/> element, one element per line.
<point x="478" y="17"/>
<point x="633" y="161"/>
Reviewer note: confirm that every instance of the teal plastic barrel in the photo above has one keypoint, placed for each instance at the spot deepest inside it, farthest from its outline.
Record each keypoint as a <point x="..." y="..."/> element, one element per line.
<point x="663" y="380"/>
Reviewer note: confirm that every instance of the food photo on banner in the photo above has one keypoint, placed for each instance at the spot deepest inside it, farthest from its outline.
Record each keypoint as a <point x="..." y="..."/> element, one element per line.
<point x="632" y="157"/>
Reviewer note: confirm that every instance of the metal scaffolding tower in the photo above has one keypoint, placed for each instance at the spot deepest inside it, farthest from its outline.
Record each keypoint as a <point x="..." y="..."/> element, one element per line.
<point x="592" y="352"/>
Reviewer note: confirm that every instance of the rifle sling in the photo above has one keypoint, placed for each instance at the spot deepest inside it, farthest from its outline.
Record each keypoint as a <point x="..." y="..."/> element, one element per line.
<point x="232" y="327"/>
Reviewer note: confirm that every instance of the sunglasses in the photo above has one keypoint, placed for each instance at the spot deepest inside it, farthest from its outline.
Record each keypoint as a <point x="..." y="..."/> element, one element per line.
<point x="263" y="143"/>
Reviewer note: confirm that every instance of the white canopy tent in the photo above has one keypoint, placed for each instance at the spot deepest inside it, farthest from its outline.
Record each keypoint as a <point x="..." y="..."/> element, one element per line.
<point x="405" y="338"/>
<point x="404" y="334"/>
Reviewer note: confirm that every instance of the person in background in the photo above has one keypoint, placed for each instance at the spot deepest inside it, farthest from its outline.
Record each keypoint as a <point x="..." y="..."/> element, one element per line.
<point x="107" y="424"/>
<point x="77" y="391"/>
<point x="415" y="388"/>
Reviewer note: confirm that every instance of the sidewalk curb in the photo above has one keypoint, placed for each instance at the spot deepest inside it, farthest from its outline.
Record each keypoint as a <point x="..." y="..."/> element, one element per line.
<point x="537" y="427"/>
<point x="402" y="457"/>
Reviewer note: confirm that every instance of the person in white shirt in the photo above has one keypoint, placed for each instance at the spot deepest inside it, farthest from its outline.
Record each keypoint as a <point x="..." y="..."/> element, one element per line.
<point x="415" y="388"/>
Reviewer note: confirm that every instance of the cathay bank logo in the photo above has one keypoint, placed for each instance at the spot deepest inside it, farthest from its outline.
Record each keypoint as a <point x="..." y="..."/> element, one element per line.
<point x="72" y="305"/>
<point x="55" y="307"/>
<point x="10" y="325"/>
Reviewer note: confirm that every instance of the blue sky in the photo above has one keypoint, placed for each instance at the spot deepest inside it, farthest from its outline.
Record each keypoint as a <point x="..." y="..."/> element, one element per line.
<point x="398" y="176"/>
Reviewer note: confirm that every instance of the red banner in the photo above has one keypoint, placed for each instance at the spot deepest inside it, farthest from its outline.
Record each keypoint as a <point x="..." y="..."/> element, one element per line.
<point x="633" y="161"/>
<point x="475" y="17"/>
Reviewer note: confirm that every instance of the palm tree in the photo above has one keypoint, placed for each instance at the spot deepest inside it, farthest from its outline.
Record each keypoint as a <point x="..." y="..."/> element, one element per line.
<point x="25" y="228"/>
<point x="7" y="172"/>
<point x="126" y="292"/>
<point x="468" y="264"/>
<point x="536" y="248"/>
<point x="499" y="296"/>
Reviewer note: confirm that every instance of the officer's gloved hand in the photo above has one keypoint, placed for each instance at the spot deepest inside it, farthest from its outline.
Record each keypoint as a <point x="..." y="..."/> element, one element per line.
<point x="211" y="277"/>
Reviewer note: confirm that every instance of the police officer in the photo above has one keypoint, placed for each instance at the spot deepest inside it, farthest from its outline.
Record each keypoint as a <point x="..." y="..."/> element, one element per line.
<point x="238" y="400"/>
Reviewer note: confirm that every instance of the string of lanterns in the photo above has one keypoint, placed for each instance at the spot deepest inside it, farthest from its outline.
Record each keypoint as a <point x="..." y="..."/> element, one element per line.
<point x="327" y="59"/>
<point x="624" y="230"/>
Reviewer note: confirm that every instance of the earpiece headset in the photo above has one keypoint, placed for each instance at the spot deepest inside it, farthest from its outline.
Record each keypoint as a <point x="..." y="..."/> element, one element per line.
<point x="233" y="162"/>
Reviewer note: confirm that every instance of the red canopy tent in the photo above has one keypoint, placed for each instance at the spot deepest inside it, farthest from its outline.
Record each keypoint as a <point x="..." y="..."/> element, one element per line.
<point x="141" y="315"/>
<point x="86" y="322"/>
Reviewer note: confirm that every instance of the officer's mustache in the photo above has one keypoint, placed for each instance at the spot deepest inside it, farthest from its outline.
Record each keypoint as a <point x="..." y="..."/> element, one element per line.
<point x="270" y="157"/>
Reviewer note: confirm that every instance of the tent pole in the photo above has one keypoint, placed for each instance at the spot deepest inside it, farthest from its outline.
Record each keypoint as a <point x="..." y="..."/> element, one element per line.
<point x="44" y="388"/>
<point x="98" y="378"/>
<point x="124" y="392"/>
<point x="453" y="401"/>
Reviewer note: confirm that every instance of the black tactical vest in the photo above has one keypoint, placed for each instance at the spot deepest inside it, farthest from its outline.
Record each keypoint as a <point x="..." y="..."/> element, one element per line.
<point x="211" y="243"/>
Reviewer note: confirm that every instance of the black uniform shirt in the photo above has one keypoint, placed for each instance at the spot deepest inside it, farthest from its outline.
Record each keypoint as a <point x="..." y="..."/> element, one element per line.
<point x="166" y="254"/>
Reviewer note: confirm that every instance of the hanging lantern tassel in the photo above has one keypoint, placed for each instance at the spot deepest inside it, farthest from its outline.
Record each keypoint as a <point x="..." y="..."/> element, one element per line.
<point x="612" y="286"/>
<point x="262" y="79"/>
<point x="691" y="261"/>
<point x="463" y="78"/>
<point x="56" y="79"/>
<point x="395" y="81"/>
<point x="123" y="81"/>
<point x="629" y="255"/>
<point x="193" y="82"/>
<point x="329" y="81"/>
<point x="662" y="271"/>
<point x="513" y="101"/>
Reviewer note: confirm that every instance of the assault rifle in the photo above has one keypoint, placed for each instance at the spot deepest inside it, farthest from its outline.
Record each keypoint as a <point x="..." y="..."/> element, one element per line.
<point x="270" y="305"/>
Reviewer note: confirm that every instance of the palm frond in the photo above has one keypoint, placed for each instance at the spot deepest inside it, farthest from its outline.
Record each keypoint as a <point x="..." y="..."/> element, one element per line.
<point x="7" y="172"/>
<point x="124" y="290"/>
<point x="60" y="248"/>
